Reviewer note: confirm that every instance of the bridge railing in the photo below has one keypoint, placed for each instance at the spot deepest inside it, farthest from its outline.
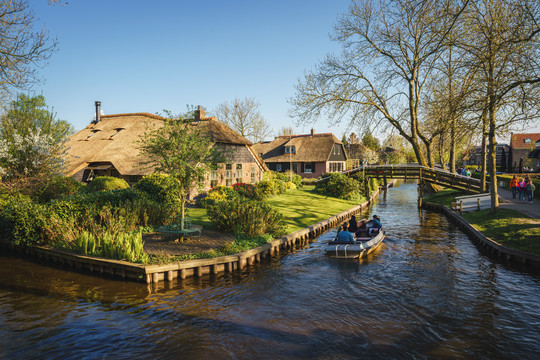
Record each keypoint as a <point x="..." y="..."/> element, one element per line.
<point x="424" y="173"/>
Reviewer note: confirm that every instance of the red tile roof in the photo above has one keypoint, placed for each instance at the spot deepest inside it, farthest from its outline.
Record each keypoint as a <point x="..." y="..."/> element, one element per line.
<point x="517" y="141"/>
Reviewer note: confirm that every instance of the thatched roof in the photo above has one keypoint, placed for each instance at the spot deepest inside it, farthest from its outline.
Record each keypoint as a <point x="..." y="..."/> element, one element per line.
<point x="308" y="148"/>
<point x="115" y="139"/>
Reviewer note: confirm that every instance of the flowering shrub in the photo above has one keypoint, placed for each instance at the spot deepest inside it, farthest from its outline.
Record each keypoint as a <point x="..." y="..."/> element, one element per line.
<point x="247" y="190"/>
<point x="30" y="155"/>
<point x="217" y="194"/>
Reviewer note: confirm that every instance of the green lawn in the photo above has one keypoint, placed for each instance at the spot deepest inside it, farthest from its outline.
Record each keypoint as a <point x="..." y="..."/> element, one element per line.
<point x="300" y="208"/>
<point x="303" y="207"/>
<point x="508" y="227"/>
<point x="444" y="197"/>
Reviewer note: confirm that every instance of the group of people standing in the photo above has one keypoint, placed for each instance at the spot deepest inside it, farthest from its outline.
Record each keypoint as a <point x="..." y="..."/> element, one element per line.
<point x="350" y="229"/>
<point x="522" y="187"/>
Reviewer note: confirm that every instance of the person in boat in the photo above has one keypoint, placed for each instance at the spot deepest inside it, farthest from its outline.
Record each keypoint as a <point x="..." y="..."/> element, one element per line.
<point x="345" y="235"/>
<point x="353" y="225"/>
<point x="376" y="225"/>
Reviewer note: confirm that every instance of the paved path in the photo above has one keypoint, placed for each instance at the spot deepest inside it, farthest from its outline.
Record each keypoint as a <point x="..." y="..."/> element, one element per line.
<point x="507" y="201"/>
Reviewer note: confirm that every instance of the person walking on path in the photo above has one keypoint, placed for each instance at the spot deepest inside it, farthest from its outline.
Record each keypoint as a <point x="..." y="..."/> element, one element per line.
<point x="514" y="185"/>
<point x="530" y="191"/>
<point x="522" y="186"/>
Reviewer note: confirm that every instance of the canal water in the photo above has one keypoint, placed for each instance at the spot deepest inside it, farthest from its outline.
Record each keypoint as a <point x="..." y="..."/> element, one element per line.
<point x="427" y="293"/>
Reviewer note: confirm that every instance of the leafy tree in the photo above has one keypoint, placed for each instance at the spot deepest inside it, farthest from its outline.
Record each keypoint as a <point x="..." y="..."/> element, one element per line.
<point x="182" y="150"/>
<point x="243" y="116"/>
<point x="31" y="140"/>
<point x="21" y="48"/>
<point x="370" y="141"/>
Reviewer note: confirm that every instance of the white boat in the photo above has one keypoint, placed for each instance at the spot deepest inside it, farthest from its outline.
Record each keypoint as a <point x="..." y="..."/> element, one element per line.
<point x="362" y="245"/>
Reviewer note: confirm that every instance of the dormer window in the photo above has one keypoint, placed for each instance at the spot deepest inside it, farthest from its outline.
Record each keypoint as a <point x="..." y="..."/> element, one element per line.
<point x="290" y="149"/>
<point x="94" y="132"/>
<point x="116" y="131"/>
<point x="527" y="141"/>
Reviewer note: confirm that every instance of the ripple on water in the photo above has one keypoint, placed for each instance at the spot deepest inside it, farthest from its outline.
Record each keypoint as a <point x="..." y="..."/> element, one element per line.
<point x="426" y="293"/>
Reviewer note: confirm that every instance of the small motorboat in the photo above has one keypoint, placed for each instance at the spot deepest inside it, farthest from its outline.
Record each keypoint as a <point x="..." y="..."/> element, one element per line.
<point x="366" y="241"/>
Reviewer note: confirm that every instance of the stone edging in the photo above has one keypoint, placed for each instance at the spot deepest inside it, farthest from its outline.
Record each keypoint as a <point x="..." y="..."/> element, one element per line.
<point x="485" y="243"/>
<point x="198" y="267"/>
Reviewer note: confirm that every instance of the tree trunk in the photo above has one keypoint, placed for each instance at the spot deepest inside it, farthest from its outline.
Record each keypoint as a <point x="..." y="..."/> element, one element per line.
<point x="484" y="154"/>
<point x="492" y="165"/>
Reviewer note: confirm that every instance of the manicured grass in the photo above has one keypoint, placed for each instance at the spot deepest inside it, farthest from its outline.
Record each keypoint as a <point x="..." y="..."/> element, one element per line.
<point x="508" y="227"/>
<point x="444" y="197"/>
<point x="300" y="208"/>
<point x="304" y="207"/>
<point x="200" y="217"/>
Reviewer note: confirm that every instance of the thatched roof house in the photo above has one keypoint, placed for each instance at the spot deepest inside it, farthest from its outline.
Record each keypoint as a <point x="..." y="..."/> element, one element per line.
<point x="309" y="155"/>
<point x="109" y="146"/>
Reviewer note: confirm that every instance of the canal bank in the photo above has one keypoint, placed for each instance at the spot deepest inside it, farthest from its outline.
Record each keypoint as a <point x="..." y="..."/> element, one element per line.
<point x="191" y="268"/>
<point x="496" y="250"/>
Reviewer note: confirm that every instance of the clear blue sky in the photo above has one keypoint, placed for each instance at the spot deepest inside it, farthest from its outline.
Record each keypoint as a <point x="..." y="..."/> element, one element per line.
<point x="146" y="56"/>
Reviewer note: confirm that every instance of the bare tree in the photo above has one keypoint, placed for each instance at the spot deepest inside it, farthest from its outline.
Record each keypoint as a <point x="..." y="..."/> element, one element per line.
<point x="389" y="50"/>
<point x="285" y="131"/>
<point x="243" y="116"/>
<point x="504" y="48"/>
<point x="21" y="48"/>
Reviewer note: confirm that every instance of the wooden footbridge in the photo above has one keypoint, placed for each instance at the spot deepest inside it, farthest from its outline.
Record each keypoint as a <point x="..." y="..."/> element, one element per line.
<point x="422" y="173"/>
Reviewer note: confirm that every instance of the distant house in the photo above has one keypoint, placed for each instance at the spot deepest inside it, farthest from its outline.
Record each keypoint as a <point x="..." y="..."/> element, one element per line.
<point x="309" y="155"/>
<point x="109" y="146"/>
<point x="520" y="147"/>
<point x="473" y="156"/>
<point x="535" y="154"/>
<point x="355" y="155"/>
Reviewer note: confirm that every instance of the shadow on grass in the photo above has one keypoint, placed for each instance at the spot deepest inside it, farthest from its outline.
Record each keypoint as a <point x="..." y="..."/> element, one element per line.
<point x="508" y="227"/>
<point x="304" y="207"/>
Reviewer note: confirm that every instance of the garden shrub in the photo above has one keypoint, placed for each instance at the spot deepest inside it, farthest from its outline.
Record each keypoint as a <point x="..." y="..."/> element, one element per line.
<point x="57" y="187"/>
<point x="340" y="186"/>
<point x="279" y="186"/>
<point x="22" y="220"/>
<point x="217" y="194"/>
<point x="160" y="187"/>
<point x="106" y="183"/>
<point x="266" y="187"/>
<point x="283" y="176"/>
<point x="248" y="191"/>
<point x="248" y="217"/>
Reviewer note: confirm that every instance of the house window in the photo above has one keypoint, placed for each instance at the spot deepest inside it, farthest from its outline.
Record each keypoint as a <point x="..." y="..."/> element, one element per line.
<point x="290" y="149"/>
<point x="228" y="174"/>
<point x="239" y="174"/>
<point x="308" y="168"/>
<point x="336" y="167"/>
<point x="278" y="167"/>
<point x="214" y="178"/>
<point x="337" y="149"/>
<point x="253" y="174"/>
<point x="527" y="141"/>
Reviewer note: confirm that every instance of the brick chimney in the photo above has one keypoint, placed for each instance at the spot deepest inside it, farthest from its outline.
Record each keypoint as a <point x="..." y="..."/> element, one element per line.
<point x="199" y="113"/>
<point x="312" y="131"/>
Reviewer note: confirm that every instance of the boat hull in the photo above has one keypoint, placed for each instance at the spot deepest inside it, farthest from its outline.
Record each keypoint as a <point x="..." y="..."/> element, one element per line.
<point x="354" y="249"/>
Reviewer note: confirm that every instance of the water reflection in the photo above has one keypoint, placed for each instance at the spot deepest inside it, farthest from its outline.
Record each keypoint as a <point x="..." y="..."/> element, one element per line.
<point x="426" y="293"/>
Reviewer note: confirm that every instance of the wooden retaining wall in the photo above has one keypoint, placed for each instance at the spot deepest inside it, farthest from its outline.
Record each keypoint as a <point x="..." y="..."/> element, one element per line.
<point x="486" y="244"/>
<point x="182" y="269"/>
